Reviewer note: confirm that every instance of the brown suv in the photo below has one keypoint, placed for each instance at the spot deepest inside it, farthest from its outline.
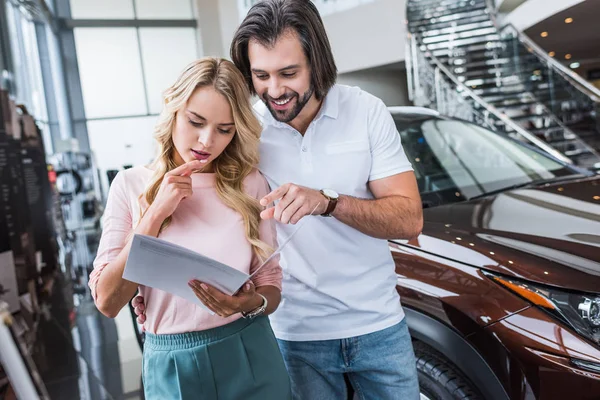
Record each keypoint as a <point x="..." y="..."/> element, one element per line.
<point x="502" y="288"/>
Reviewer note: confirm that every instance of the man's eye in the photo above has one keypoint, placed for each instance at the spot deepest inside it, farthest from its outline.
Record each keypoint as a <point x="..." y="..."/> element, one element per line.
<point x="261" y="77"/>
<point x="289" y="75"/>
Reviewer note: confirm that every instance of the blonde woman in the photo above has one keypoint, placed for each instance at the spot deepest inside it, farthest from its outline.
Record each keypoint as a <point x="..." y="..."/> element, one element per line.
<point x="201" y="192"/>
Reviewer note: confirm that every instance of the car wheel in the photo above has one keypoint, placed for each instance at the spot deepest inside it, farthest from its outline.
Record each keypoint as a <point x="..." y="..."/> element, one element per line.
<point x="439" y="379"/>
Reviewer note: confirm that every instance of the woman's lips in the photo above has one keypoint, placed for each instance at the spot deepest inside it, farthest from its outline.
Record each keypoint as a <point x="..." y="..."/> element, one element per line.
<point x="200" y="155"/>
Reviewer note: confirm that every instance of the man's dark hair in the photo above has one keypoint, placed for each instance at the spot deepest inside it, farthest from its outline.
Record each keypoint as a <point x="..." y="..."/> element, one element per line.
<point x="268" y="20"/>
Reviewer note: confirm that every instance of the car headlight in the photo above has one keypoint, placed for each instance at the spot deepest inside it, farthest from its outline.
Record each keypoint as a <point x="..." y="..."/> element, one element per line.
<point x="580" y="311"/>
<point x="590" y="310"/>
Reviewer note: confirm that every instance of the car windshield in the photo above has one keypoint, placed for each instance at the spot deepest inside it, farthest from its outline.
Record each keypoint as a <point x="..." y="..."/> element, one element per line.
<point x="455" y="160"/>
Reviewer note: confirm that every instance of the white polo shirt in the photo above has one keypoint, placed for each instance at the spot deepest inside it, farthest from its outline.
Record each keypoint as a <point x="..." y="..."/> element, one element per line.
<point x="337" y="282"/>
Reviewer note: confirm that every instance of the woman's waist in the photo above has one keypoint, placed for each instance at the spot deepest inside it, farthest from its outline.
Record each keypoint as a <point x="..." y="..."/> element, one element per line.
<point x="190" y="339"/>
<point x="170" y="314"/>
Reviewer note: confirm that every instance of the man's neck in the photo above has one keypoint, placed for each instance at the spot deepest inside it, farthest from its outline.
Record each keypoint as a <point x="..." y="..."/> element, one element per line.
<point x="307" y="115"/>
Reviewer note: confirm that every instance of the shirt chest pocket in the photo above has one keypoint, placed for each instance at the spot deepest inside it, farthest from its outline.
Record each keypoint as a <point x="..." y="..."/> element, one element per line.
<point x="347" y="147"/>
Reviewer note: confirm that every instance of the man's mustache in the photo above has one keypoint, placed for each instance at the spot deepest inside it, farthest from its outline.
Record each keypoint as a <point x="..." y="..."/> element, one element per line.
<point x="282" y="98"/>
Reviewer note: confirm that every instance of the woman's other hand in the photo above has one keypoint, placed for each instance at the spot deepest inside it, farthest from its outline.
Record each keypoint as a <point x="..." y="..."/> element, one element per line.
<point x="176" y="186"/>
<point x="223" y="305"/>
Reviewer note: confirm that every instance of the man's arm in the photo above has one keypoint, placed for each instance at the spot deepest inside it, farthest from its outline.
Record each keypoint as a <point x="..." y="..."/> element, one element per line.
<point x="395" y="213"/>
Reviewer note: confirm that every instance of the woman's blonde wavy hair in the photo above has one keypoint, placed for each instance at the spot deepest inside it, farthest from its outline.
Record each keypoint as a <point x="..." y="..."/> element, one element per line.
<point x="238" y="159"/>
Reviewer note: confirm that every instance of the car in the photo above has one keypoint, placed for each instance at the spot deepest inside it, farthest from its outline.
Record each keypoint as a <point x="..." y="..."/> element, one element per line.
<point x="501" y="289"/>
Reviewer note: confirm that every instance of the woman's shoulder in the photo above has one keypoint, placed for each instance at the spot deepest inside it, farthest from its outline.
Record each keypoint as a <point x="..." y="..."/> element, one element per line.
<point x="255" y="183"/>
<point x="132" y="179"/>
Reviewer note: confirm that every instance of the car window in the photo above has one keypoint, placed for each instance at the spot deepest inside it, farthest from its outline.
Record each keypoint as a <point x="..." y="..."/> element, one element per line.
<point x="460" y="160"/>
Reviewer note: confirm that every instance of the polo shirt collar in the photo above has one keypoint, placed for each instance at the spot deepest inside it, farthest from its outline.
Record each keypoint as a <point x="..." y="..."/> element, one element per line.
<point x="331" y="104"/>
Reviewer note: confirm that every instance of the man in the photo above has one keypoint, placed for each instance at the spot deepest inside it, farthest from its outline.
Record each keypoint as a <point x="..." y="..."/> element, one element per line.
<point x="335" y="150"/>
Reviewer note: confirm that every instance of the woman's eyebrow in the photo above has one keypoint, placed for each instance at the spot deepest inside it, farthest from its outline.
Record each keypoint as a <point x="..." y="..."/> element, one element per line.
<point x="202" y="118"/>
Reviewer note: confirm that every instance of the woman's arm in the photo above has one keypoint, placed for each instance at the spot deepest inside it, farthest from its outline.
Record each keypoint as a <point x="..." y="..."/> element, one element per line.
<point x="112" y="291"/>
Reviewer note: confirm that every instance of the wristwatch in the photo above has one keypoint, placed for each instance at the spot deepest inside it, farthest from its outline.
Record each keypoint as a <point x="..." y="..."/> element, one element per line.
<point x="257" y="311"/>
<point x="332" y="197"/>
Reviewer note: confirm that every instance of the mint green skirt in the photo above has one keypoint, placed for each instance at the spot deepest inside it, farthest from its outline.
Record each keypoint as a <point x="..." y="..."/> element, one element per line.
<point x="238" y="361"/>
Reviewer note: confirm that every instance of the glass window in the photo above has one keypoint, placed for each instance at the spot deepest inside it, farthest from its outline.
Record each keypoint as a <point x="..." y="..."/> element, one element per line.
<point x="458" y="157"/>
<point x="37" y="106"/>
<point x="29" y="87"/>
<point x="123" y="141"/>
<point x="62" y="127"/>
<point x="104" y="9"/>
<point x="161" y="9"/>
<point x="165" y="53"/>
<point x="110" y="72"/>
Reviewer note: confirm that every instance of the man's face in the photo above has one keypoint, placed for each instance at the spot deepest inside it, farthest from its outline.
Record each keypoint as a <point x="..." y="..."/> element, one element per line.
<point x="281" y="76"/>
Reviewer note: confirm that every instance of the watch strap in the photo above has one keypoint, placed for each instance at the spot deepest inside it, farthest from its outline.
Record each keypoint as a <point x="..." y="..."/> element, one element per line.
<point x="330" y="206"/>
<point x="257" y="311"/>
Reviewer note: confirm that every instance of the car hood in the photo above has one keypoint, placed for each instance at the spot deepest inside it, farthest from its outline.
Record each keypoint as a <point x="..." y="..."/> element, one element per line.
<point x="548" y="234"/>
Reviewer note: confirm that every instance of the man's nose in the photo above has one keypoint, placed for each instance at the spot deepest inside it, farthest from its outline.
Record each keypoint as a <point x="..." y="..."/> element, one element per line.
<point x="275" y="90"/>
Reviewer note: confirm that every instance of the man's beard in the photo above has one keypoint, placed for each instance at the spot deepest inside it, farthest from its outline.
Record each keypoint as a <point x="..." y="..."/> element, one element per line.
<point x="288" y="115"/>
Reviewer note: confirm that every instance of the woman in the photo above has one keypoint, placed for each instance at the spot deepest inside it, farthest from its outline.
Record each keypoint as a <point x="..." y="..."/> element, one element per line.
<point x="202" y="193"/>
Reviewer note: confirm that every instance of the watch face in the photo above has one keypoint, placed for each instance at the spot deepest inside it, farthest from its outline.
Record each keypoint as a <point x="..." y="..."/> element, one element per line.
<point x="331" y="193"/>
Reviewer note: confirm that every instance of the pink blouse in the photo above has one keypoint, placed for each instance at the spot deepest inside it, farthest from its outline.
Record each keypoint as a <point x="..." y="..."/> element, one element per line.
<point x="201" y="223"/>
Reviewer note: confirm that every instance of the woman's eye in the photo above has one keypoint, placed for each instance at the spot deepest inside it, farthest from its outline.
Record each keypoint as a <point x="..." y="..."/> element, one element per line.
<point x="195" y="124"/>
<point x="226" y="132"/>
<point x="290" y="75"/>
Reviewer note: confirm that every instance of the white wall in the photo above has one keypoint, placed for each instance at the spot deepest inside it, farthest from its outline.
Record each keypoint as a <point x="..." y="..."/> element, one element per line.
<point x="369" y="35"/>
<point x="365" y="36"/>
<point x="389" y="84"/>
<point x="217" y="22"/>
<point x="207" y="14"/>
<point x="229" y="16"/>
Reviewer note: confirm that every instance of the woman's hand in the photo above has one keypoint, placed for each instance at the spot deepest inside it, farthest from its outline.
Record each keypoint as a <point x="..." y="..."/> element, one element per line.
<point x="223" y="305"/>
<point x="176" y="186"/>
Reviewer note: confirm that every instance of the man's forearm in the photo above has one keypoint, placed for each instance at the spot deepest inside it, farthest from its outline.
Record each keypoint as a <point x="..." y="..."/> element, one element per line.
<point x="393" y="217"/>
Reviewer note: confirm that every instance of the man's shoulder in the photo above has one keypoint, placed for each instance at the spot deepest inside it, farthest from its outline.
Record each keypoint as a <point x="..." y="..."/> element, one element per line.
<point x="354" y="95"/>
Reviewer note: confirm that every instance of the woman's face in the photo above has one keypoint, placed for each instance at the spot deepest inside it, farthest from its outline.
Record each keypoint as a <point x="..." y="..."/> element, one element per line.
<point x="203" y="127"/>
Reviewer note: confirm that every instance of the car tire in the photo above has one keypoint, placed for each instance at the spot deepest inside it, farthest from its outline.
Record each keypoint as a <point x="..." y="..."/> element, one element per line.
<point x="439" y="379"/>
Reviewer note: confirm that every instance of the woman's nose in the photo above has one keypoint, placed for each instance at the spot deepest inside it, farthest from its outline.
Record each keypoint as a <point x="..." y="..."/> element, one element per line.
<point x="206" y="137"/>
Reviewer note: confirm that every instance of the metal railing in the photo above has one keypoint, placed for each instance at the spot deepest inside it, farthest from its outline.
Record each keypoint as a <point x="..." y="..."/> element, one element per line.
<point x="431" y="84"/>
<point x="574" y="79"/>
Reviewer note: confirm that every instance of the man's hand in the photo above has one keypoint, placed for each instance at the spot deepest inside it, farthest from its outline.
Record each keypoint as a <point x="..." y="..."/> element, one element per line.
<point x="295" y="202"/>
<point x="223" y="305"/>
<point x="139" y="308"/>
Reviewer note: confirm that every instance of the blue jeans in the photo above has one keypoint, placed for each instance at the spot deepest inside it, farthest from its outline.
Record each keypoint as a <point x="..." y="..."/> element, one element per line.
<point x="379" y="365"/>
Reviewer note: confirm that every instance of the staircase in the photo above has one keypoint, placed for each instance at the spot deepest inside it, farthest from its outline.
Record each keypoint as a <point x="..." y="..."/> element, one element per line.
<point x="460" y="62"/>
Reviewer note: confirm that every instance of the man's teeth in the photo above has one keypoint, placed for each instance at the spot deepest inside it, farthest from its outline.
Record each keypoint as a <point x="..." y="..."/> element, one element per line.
<point x="280" y="103"/>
